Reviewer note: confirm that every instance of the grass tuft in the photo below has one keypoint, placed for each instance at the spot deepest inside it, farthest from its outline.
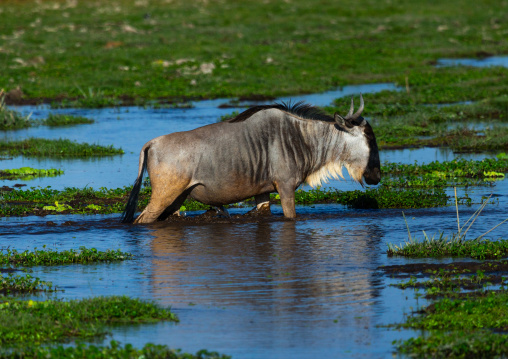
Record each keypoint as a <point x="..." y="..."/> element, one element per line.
<point x="10" y="119"/>
<point x="40" y="147"/>
<point x="55" y="120"/>
<point x="50" y="257"/>
<point x="28" y="173"/>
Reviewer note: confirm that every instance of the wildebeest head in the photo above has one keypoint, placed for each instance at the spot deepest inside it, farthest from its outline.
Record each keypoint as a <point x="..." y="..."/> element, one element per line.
<point x="354" y="124"/>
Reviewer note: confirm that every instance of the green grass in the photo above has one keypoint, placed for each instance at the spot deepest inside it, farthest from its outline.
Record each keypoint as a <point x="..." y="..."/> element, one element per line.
<point x="28" y="173"/>
<point x="56" y="120"/>
<point x="11" y="119"/>
<point x="456" y="314"/>
<point x="50" y="257"/>
<point x="89" y="201"/>
<point x="112" y="351"/>
<point x="233" y="49"/>
<point x="40" y="147"/>
<point x="456" y="344"/>
<point x="451" y="247"/>
<point x="34" y="322"/>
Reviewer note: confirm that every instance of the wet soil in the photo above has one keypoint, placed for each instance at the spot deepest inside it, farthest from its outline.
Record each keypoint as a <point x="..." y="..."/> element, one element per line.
<point x="405" y="270"/>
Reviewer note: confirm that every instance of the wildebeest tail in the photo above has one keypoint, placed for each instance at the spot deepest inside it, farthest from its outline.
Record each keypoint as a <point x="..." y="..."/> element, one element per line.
<point x="132" y="203"/>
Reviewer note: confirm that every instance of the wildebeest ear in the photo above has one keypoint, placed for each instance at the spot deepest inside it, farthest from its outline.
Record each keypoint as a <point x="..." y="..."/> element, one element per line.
<point x="340" y="120"/>
<point x="363" y="123"/>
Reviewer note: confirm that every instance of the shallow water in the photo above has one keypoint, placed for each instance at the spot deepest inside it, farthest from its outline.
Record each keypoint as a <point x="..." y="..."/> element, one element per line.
<point x="275" y="288"/>
<point x="270" y="288"/>
<point x="485" y="62"/>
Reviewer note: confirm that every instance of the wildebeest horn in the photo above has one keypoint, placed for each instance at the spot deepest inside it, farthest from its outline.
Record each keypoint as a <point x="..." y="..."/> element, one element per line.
<point x="350" y="115"/>
<point x="351" y="109"/>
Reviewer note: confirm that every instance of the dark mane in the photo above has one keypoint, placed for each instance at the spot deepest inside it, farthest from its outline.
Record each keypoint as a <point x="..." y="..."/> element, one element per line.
<point x="299" y="109"/>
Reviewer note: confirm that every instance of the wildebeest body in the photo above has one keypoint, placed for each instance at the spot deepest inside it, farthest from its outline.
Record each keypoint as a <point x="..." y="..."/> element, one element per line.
<point x="270" y="148"/>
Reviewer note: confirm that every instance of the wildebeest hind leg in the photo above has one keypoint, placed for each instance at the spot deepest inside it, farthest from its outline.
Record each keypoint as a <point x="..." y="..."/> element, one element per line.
<point x="164" y="198"/>
<point x="263" y="203"/>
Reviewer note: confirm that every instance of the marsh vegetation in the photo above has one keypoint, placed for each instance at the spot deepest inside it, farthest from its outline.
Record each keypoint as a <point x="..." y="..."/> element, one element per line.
<point x="142" y="55"/>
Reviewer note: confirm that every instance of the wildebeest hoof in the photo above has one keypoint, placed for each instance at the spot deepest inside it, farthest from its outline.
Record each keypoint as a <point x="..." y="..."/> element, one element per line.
<point x="263" y="210"/>
<point x="221" y="211"/>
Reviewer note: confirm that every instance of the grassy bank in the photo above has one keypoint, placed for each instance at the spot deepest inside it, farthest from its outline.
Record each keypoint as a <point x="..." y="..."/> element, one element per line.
<point x="232" y="49"/>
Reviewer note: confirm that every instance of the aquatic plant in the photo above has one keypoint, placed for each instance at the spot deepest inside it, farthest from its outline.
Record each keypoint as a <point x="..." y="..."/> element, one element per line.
<point x="11" y="283"/>
<point x="40" y="147"/>
<point x="55" y="120"/>
<point x="27" y="173"/>
<point x="454" y="244"/>
<point x="450" y="169"/>
<point x="35" y="322"/>
<point x="51" y="257"/>
<point x="59" y="207"/>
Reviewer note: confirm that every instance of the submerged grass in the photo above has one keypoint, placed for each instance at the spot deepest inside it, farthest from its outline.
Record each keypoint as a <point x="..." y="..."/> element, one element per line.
<point x="112" y="351"/>
<point x="50" y="257"/>
<point x="40" y="147"/>
<point x="34" y="322"/>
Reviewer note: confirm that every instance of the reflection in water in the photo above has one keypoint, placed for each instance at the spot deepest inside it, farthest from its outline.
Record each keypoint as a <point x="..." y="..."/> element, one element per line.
<point x="278" y="286"/>
<point x="274" y="264"/>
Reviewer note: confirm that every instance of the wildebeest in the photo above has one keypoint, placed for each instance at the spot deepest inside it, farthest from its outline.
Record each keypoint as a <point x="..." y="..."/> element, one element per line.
<point x="268" y="148"/>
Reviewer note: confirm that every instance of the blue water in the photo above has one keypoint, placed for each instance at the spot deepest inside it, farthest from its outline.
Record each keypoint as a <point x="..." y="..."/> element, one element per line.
<point x="275" y="289"/>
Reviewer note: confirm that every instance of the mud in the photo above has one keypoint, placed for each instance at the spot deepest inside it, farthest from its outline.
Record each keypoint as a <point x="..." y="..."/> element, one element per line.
<point x="426" y="269"/>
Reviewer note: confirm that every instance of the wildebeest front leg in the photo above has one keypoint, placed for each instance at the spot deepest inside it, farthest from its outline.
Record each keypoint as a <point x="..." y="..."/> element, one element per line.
<point x="287" y="199"/>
